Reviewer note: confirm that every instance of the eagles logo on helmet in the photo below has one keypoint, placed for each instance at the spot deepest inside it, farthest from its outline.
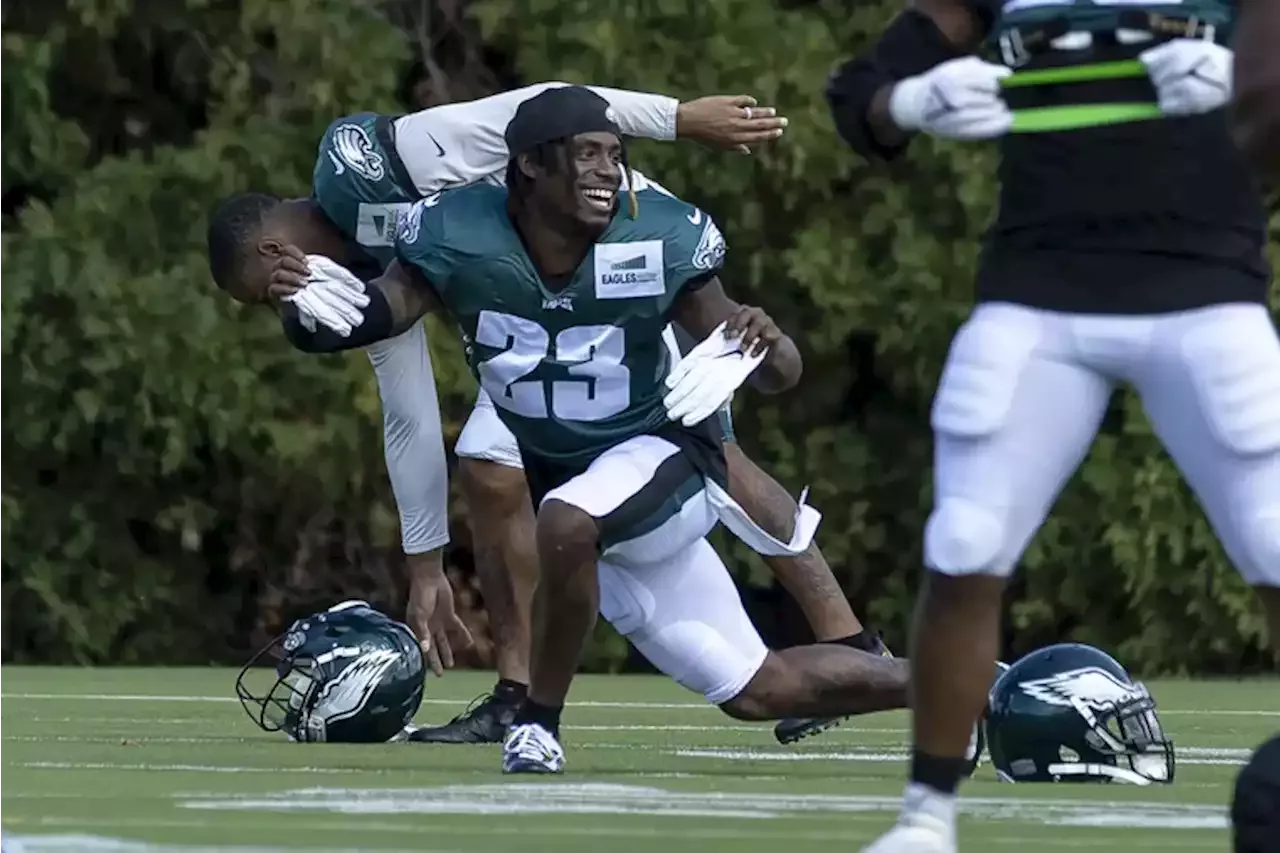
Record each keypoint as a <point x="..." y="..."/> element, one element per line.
<point x="1070" y="712"/>
<point x="348" y="675"/>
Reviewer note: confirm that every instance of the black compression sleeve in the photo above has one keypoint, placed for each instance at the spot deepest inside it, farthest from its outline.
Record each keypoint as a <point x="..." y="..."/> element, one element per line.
<point x="911" y="45"/>
<point x="378" y="325"/>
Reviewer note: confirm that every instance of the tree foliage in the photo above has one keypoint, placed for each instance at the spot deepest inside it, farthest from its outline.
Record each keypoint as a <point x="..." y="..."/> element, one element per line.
<point x="179" y="482"/>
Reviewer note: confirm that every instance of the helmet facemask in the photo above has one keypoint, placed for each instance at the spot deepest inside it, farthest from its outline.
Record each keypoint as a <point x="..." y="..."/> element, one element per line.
<point x="347" y="674"/>
<point x="285" y="704"/>
<point x="1128" y="732"/>
<point x="1071" y="713"/>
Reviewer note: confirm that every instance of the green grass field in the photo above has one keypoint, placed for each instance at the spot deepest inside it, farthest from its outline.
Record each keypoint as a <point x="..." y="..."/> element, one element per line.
<point x="166" y="756"/>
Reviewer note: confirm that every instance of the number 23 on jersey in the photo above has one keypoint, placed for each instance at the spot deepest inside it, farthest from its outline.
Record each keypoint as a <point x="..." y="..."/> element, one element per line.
<point x="593" y="355"/>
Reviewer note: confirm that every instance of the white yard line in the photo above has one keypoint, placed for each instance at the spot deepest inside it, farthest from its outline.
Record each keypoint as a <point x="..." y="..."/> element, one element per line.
<point x="1186" y="755"/>
<point x="184" y="768"/>
<point x="99" y="844"/>
<point x="759" y="808"/>
<point x="122" y="697"/>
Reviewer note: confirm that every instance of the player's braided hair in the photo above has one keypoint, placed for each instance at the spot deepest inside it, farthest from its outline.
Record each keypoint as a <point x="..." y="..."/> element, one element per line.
<point x="232" y="226"/>
<point x="550" y="156"/>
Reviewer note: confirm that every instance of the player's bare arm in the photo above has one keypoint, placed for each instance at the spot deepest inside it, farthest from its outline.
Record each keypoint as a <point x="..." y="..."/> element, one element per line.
<point x="700" y="311"/>
<point x="728" y="122"/>
<point x="1256" y="114"/>
<point x="398" y="298"/>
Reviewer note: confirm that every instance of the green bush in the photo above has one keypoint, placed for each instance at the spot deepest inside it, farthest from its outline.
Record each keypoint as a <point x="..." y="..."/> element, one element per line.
<point x="179" y="482"/>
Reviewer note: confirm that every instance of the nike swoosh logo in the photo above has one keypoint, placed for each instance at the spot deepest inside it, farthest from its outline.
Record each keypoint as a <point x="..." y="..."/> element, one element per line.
<point x="938" y="106"/>
<point x="338" y="168"/>
<point x="694" y="217"/>
<point x="439" y="147"/>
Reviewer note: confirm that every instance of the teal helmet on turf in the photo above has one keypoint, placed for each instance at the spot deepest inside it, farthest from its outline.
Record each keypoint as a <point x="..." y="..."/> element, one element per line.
<point x="349" y="674"/>
<point x="1070" y="712"/>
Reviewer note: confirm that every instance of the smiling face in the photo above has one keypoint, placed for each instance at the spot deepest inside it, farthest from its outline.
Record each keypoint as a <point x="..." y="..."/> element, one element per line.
<point x="586" y="192"/>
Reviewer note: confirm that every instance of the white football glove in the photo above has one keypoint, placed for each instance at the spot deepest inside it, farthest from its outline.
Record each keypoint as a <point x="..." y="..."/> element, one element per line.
<point x="959" y="99"/>
<point x="332" y="297"/>
<point x="1191" y="76"/>
<point x="706" y="378"/>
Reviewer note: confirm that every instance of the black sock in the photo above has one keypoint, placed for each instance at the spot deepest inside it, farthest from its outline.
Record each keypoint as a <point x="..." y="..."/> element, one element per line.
<point x="941" y="774"/>
<point x="547" y="716"/>
<point x="510" y="692"/>
<point x="863" y="641"/>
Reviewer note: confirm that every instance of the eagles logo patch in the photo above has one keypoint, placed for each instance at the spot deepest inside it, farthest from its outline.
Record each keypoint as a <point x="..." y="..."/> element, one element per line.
<point x="411" y="223"/>
<point x="353" y="147"/>
<point x="1089" y="685"/>
<point x="709" y="254"/>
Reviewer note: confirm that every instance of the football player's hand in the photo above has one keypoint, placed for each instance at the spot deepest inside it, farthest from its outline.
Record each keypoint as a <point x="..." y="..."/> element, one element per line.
<point x="959" y="99"/>
<point x="1191" y="76"/>
<point x="432" y="615"/>
<point x="289" y="273"/>
<point x="330" y="296"/>
<point x="728" y="122"/>
<point x="706" y="378"/>
<point x="755" y="330"/>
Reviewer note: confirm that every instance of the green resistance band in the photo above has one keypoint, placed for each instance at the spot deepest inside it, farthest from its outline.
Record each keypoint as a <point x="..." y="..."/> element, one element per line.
<point x="1074" y="116"/>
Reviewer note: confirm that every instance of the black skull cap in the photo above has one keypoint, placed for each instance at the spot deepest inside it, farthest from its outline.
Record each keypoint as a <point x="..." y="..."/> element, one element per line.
<point x="558" y="113"/>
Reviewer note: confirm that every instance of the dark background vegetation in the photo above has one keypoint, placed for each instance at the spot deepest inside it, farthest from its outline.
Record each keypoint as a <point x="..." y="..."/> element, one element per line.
<point x="178" y="483"/>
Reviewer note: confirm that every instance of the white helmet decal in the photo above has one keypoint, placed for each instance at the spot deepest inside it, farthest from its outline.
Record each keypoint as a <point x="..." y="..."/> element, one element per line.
<point x="1090" y="686"/>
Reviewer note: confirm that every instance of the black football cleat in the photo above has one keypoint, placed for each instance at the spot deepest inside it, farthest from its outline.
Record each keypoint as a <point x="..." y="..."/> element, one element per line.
<point x="484" y="721"/>
<point x="792" y="729"/>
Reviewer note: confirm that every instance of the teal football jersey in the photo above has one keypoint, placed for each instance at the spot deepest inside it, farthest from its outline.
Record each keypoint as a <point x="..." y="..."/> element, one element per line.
<point x="577" y="370"/>
<point x="361" y="185"/>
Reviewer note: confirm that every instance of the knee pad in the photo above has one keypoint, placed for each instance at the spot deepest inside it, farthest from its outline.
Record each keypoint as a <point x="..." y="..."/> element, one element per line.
<point x="964" y="538"/>
<point x="685" y="616"/>
<point x="983" y="370"/>
<point x="1234" y="362"/>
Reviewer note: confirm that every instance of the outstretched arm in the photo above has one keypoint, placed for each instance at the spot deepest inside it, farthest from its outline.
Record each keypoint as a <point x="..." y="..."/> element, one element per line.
<point x="700" y="309"/>
<point x="398" y="298"/>
<point x="457" y="144"/>
<point x="1256" y="114"/>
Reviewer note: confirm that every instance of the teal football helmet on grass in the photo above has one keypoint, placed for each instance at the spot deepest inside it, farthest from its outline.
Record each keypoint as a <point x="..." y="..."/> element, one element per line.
<point x="347" y="675"/>
<point x="1070" y="712"/>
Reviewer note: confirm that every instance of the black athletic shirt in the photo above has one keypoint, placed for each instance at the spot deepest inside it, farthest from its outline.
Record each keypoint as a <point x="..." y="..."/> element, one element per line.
<point x="1144" y="217"/>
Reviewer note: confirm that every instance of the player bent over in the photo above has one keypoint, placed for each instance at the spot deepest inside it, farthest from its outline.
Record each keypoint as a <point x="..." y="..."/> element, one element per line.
<point x="562" y="295"/>
<point x="369" y="170"/>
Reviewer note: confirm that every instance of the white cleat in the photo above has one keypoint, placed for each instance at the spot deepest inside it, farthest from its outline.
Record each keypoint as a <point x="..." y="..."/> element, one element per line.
<point x="919" y="833"/>
<point x="529" y="748"/>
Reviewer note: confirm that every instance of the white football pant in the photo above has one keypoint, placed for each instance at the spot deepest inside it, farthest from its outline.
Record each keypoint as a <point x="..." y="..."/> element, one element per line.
<point x="1024" y="390"/>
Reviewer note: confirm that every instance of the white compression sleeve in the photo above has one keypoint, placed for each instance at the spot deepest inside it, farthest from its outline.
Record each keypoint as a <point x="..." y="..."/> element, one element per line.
<point x="459" y="144"/>
<point x="413" y="442"/>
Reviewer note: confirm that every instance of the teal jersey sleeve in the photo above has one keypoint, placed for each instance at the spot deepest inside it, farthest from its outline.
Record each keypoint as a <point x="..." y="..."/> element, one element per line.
<point x="446" y="231"/>
<point x="697" y="248"/>
<point x="359" y="185"/>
